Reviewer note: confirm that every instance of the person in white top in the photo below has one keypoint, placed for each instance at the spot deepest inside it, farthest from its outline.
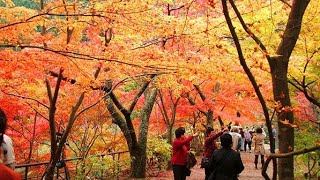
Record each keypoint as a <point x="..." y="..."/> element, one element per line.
<point x="236" y="138"/>
<point x="8" y="152"/>
<point x="6" y="173"/>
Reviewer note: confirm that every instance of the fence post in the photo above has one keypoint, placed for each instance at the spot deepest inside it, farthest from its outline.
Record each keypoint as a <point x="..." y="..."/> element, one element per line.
<point x="115" y="159"/>
<point x="118" y="166"/>
<point x="26" y="173"/>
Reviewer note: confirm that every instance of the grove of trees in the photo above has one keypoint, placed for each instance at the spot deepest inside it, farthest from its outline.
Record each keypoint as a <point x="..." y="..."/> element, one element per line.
<point x="111" y="75"/>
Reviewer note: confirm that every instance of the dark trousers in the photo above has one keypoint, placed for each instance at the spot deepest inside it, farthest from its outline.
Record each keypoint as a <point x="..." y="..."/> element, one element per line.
<point x="256" y="157"/>
<point x="245" y="145"/>
<point x="179" y="172"/>
<point x="207" y="173"/>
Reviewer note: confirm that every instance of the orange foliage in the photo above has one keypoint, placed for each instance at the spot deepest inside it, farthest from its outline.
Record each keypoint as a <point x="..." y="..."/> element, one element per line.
<point x="118" y="40"/>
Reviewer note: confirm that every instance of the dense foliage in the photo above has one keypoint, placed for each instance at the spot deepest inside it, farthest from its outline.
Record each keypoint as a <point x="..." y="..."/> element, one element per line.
<point x="183" y="49"/>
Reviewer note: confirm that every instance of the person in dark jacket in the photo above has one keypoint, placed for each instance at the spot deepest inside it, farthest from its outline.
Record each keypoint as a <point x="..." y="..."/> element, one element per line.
<point x="180" y="147"/>
<point x="225" y="163"/>
<point x="210" y="145"/>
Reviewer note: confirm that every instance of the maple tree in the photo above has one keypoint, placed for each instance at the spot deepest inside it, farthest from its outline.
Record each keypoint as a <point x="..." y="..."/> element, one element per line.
<point x="309" y="83"/>
<point x="278" y="70"/>
<point x="137" y="144"/>
<point x="168" y="110"/>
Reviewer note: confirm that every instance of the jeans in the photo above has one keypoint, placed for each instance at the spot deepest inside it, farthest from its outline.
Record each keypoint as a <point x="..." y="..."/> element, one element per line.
<point x="245" y="145"/>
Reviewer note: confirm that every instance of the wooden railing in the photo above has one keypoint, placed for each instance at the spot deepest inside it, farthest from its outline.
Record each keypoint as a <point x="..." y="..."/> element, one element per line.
<point x="115" y="156"/>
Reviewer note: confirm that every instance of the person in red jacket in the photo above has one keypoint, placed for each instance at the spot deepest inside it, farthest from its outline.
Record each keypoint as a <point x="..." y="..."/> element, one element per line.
<point x="180" y="147"/>
<point x="5" y="172"/>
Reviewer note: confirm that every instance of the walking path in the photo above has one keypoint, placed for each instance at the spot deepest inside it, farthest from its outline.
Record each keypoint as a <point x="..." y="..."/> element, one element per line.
<point x="249" y="172"/>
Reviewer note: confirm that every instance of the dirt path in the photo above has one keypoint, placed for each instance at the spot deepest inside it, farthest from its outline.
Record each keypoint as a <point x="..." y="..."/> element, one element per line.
<point x="249" y="172"/>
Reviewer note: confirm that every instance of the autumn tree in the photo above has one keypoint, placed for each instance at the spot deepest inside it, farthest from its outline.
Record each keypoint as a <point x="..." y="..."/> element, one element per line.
<point x="308" y="80"/>
<point x="96" y="41"/>
<point x="136" y="141"/>
<point x="279" y="72"/>
<point x="168" y="111"/>
<point x="81" y="36"/>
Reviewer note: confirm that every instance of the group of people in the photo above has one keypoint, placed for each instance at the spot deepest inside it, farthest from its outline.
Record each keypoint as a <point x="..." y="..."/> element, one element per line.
<point x="247" y="137"/>
<point x="223" y="163"/>
<point x="7" y="158"/>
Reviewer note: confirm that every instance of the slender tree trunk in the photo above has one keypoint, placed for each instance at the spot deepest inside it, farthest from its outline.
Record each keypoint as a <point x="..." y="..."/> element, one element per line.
<point x="209" y="118"/>
<point x="170" y="135"/>
<point x="279" y="71"/>
<point x="286" y="133"/>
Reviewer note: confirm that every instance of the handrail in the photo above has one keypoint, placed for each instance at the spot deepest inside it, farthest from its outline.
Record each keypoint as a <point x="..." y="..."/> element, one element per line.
<point x="66" y="160"/>
<point x="26" y="166"/>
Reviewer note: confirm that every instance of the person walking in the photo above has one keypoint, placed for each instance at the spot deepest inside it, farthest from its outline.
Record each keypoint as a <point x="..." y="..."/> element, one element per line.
<point x="241" y="132"/>
<point x="210" y="145"/>
<point x="180" y="148"/>
<point x="6" y="173"/>
<point x="236" y="138"/>
<point x="225" y="163"/>
<point x="258" y="144"/>
<point x="247" y="140"/>
<point x="274" y="136"/>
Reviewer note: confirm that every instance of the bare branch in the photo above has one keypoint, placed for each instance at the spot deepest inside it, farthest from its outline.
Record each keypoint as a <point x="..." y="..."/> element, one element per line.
<point x="25" y="97"/>
<point x="81" y="56"/>
<point x="285" y="155"/>
<point x="286" y="3"/>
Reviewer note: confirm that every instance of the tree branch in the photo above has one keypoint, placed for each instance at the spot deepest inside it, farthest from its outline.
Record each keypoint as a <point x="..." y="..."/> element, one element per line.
<point x="25" y="97"/>
<point x="81" y="56"/>
<point x="203" y="97"/>
<point x="142" y="89"/>
<point x="285" y="155"/>
<point x="247" y="69"/>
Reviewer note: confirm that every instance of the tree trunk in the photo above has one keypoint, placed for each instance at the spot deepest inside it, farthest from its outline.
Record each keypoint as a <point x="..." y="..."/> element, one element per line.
<point x="209" y="117"/>
<point x="140" y="153"/>
<point x="170" y="135"/>
<point x="138" y="164"/>
<point x="286" y="133"/>
<point x="137" y="146"/>
<point x="279" y="70"/>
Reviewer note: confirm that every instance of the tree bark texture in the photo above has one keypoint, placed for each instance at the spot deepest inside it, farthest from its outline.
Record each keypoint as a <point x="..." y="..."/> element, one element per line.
<point x="137" y="146"/>
<point x="279" y="71"/>
<point x="139" y="153"/>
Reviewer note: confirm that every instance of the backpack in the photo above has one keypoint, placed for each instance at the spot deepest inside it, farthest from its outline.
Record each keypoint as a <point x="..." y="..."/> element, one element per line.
<point x="191" y="160"/>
